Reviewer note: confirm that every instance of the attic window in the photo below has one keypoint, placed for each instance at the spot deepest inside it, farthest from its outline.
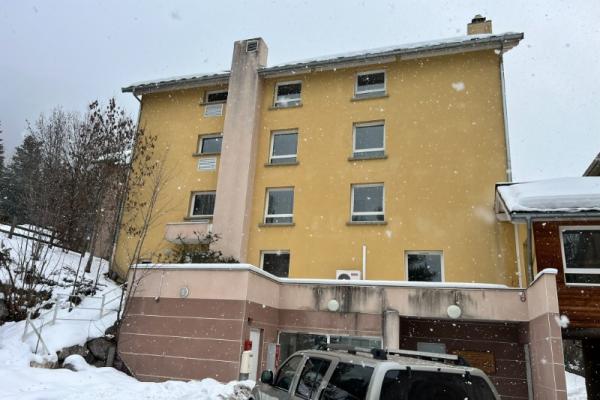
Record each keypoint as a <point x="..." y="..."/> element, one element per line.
<point x="251" y="46"/>
<point x="287" y="94"/>
<point x="216" y="96"/>
<point x="370" y="83"/>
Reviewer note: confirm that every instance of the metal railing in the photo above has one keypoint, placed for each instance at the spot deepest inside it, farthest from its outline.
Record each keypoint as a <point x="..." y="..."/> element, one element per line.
<point x="40" y="322"/>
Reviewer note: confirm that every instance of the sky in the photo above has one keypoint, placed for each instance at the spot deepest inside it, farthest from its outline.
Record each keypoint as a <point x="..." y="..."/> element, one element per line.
<point x="68" y="53"/>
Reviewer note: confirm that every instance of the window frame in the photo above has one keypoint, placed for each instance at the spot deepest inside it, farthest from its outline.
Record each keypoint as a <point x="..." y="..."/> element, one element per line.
<point x="276" y="104"/>
<point x="266" y="213"/>
<point x="208" y="136"/>
<point x="276" y="252"/>
<point x="367" y="124"/>
<point x="359" y="213"/>
<point x="271" y="156"/>
<point x="370" y="91"/>
<point x="209" y="92"/>
<point x="192" y="201"/>
<point x="425" y="252"/>
<point x="575" y="271"/>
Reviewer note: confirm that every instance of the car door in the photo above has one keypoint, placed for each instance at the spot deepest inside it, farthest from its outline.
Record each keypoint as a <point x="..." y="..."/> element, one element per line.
<point x="284" y="380"/>
<point x="313" y="373"/>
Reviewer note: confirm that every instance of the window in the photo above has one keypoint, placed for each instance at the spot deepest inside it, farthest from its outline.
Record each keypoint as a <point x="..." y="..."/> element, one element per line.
<point x="286" y="373"/>
<point x="369" y="140"/>
<point x="292" y="342"/>
<point x="280" y="206"/>
<point x="203" y="204"/>
<point x="581" y="254"/>
<point x="370" y="83"/>
<point x="216" y="96"/>
<point x="311" y="377"/>
<point x="367" y="203"/>
<point x="425" y="385"/>
<point x="284" y="146"/>
<point x="424" y="266"/>
<point x="348" y="381"/>
<point x="287" y="94"/>
<point x="210" y="144"/>
<point x="276" y="262"/>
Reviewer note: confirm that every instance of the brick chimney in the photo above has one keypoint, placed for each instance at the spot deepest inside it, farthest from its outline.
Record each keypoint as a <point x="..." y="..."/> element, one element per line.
<point x="479" y="25"/>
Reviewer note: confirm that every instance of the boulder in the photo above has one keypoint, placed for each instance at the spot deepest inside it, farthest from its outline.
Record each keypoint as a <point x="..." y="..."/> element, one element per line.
<point x="99" y="347"/>
<point x="68" y="351"/>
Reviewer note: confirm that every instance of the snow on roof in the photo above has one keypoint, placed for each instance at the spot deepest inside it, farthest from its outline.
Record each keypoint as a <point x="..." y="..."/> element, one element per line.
<point x="552" y="195"/>
<point x="508" y="40"/>
<point x="395" y="48"/>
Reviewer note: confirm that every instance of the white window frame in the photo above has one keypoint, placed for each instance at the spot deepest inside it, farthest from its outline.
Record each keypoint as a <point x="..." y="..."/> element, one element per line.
<point x="191" y="210"/>
<point x="287" y="132"/>
<point x="213" y="92"/>
<point x="209" y="136"/>
<point x="358" y="213"/>
<point x="368" y="91"/>
<point x="284" y="105"/>
<point x="266" y="215"/>
<point x="425" y="252"/>
<point x="276" y="252"/>
<point x="585" y="271"/>
<point x="366" y="124"/>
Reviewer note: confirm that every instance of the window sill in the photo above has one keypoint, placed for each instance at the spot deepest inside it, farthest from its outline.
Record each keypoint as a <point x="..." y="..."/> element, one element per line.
<point x="369" y="96"/>
<point x="204" y="103"/>
<point x="205" y="154"/>
<point x="208" y="220"/>
<point x="263" y="225"/>
<point x="354" y="223"/>
<point x="282" y="164"/>
<point x="383" y="157"/>
<point x="275" y="107"/>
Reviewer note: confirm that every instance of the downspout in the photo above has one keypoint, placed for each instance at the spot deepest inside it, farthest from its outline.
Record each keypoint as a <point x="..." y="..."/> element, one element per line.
<point x="121" y="204"/>
<point x="518" y="254"/>
<point x="364" y="262"/>
<point x="529" y="252"/>
<point x="505" y="116"/>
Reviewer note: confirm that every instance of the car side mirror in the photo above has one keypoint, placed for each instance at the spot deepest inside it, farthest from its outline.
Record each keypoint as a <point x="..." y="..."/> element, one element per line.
<point x="267" y="377"/>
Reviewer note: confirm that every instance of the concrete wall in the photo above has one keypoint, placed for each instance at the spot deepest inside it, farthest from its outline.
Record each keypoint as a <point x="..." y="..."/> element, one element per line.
<point x="167" y="336"/>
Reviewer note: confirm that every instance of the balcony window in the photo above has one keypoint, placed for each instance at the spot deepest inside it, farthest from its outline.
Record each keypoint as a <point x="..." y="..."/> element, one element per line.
<point x="280" y="206"/>
<point x="276" y="262"/>
<point x="369" y="140"/>
<point x="424" y="266"/>
<point x="284" y="146"/>
<point x="287" y="94"/>
<point x="370" y="83"/>
<point x="210" y="144"/>
<point x="581" y="254"/>
<point x="203" y="204"/>
<point x="367" y="203"/>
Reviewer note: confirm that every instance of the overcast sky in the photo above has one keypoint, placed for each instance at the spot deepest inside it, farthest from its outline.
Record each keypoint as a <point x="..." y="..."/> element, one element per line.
<point x="70" y="52"/>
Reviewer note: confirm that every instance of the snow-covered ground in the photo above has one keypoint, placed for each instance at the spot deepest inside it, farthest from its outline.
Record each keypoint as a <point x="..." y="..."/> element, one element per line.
<point x="575" y="387"/>
<point x="18" y="380"/>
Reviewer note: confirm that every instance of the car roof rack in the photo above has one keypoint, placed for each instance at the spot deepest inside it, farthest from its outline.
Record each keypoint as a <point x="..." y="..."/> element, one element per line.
<point x="381" y="354"/>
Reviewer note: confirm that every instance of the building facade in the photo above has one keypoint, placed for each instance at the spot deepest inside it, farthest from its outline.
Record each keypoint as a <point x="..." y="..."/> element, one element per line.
<point x="379" y="163"/>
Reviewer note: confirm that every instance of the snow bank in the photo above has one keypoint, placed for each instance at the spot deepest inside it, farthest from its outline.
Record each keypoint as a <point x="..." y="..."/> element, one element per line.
<point x="575" y="387"/>
<point x="553" y="195"/>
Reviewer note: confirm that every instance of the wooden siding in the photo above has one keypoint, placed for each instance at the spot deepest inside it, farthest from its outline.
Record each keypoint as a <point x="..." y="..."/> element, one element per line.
<point x="581" y="304"/>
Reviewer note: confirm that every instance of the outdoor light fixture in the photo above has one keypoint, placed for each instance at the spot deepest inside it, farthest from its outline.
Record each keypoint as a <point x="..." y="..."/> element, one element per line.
<point x="184" y="292"/>
<point x="454" y="311"/>
<point x="333" y="305"/>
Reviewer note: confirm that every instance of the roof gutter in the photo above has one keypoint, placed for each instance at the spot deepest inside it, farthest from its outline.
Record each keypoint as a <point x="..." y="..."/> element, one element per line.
<point x="543" y="216"/>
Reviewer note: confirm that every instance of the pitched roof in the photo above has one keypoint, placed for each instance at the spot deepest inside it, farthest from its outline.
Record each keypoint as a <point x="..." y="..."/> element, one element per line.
<point x="502" y="42"/>
<point x="594" y="168"/>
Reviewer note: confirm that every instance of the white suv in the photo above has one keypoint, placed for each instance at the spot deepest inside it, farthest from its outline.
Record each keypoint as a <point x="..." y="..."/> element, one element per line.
<point x="356" y="374"/>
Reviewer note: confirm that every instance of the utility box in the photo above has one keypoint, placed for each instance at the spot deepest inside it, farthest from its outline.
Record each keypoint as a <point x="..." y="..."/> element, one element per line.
<point x="272" y="356"/>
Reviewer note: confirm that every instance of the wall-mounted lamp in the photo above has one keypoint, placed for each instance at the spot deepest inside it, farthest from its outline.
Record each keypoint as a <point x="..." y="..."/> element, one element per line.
<point x="333" y="305"/>
<point x="454" y="311"/>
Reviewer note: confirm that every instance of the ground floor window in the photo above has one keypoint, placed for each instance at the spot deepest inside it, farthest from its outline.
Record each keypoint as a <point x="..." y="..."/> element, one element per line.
<point x="425" y="266"/>
<point x="290" y="342"/>
<point x="581" y="254"/>
<point x="276" y="262"/>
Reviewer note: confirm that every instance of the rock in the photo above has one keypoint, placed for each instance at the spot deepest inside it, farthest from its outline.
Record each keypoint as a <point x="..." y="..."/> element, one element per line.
<point x="99" y="363"/>
<point x="68" y="351"/>
<point x="99" y="347"/>
<point x="75" y="363"/>
<point x="111" y="330"/>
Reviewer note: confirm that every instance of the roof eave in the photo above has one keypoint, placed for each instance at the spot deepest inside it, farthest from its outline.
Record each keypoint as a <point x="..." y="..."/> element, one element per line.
<point x="503" y="42"/>
<point x="222" y="79"/>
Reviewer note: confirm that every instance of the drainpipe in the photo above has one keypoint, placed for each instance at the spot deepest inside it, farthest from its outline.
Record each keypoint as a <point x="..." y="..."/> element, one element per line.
<point x="529" y="252"/>
<point x="505" y="116"/>
<point x="518" y="254"/>
<point x="364" y="262"/>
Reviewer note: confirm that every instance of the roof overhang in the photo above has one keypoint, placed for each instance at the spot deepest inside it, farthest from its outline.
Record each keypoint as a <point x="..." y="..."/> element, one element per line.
<point x="594" y="168"/>
<point x="501" y="42"/>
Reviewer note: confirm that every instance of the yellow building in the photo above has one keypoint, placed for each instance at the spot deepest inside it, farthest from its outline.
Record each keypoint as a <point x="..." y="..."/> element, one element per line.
<point x="378" y="164"/>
